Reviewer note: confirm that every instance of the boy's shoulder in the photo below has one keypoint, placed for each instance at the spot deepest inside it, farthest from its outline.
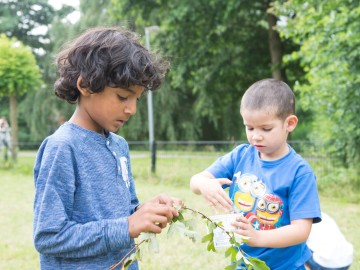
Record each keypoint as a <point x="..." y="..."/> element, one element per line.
<point x="117" y="137"/>
<point x="296" y="156"/>
<point x="295" y="160"/>
<point x="243" y="148"/>
<point x="119" y="140"/>
<point x="63" y="139"/>
<point x="66" y="133"/>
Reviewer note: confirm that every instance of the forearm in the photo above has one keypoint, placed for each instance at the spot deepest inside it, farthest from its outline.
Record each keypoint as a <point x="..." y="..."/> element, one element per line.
<point x="73" y="240"/>
<point x="289" y="235"/>
<point x="199" y="180"/>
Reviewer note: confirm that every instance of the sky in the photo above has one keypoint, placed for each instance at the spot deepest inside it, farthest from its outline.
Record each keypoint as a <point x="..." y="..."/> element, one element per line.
<point x="58" y="3"/>
<point x="73" y="17"/>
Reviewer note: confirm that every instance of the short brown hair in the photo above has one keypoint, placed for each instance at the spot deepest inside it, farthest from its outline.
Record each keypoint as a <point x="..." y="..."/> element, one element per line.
<point x="269" y="93"/>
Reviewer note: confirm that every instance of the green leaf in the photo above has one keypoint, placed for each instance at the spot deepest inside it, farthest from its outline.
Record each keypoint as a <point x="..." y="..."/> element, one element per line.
<point x="231" y="267"/>
<point x="231" y="251"/>
<point x="191" y="224"/>
<point x="153" y="244"/>
<point x="208" y="237"/>
<point x="146" y="236"/>
<point x="180" y="217"/>
<point x="130" y="260"/>
<point x="171" y="230"/>
<point x="211" y="226"/>
<point x="258" y="264"/>
<point x="211" y="247"/>
<point x="182" y="230"/>
<point x="138" y="254"/>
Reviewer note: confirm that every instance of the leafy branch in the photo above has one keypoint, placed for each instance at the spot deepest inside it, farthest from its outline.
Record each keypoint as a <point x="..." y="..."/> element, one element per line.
<point x="129" y="257"/>
<point x="188" y="228"/>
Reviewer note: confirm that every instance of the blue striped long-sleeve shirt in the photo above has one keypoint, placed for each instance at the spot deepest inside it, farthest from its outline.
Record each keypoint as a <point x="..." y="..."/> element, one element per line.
<point x="84" y="193"/>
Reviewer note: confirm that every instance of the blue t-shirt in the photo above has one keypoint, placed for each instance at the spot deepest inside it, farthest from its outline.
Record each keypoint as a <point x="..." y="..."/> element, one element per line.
<point x="271" y="194"/>
<point x="84" y="193"/>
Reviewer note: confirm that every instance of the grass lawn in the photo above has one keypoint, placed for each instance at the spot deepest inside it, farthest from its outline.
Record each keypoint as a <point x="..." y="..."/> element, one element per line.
<point x="173" y="173"/>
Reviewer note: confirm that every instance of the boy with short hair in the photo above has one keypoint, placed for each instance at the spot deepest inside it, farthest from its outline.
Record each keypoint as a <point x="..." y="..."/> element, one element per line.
<point x="271" y="186"/>
<point x="86" y="211"/>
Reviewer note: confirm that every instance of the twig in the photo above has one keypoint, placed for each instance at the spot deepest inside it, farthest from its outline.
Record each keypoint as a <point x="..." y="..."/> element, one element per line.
<point x="206" y="217"/>
<point x="126" y="255"/>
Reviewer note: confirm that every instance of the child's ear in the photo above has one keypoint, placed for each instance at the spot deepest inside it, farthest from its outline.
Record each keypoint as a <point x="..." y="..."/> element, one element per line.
<point x="291" y="122"/>
<point x="83" y="90"/>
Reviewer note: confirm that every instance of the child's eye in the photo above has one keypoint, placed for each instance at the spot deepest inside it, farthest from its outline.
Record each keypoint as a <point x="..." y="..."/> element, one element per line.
<point x="249" y="128"/>
<point x="267" y="129"/>
<point x="121" y="98"/>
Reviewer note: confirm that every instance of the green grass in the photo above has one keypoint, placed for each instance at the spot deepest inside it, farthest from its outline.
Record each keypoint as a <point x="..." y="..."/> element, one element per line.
<point x="172" y="177"/>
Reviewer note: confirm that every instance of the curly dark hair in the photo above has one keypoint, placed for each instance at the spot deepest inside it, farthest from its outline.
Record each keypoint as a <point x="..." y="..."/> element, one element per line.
<point x="107" y="57"/>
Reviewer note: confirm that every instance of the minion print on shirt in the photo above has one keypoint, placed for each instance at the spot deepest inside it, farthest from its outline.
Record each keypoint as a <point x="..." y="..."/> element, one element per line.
<point x="263" y="210"/>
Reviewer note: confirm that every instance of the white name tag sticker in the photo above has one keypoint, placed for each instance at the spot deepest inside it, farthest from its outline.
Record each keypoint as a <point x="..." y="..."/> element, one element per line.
<point x="221" y="238"/>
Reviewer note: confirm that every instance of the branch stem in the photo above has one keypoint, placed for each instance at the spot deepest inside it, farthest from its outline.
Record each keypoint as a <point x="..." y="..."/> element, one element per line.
<point x="126" y="255"/>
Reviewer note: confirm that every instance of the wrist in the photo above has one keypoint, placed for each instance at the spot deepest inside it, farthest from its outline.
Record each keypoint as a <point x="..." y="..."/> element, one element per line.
<point x="198" y="183"/>
<point x="138" y="206"/>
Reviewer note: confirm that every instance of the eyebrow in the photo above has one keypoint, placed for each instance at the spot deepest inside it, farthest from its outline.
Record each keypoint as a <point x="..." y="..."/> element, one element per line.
<point x="133" y="92"/>
<point x="261" y="126"/>
<point x="128" y="90"/>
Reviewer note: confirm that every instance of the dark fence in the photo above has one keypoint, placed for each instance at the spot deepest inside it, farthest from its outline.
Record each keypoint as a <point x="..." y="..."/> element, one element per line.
<point x="314" y="152"/>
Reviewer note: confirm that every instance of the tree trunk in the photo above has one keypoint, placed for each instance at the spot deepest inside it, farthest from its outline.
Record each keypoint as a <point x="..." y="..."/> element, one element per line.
<point x="276" y="51"/>
<point x="14" y="126"/>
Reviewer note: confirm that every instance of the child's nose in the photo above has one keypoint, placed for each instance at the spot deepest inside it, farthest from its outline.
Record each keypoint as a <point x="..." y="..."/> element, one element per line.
<point x="257" y="136"/>
<point x="131" y="107"/>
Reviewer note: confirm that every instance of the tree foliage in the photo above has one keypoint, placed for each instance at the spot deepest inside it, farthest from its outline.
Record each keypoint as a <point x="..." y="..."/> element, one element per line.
<point x="217" y="49"/>
<point x="22" y="19"/>
<point x="328" y="32"/>
<point x="42" y="111"/>
<point x="19" y="74"/>
<point x="29" y="21"/>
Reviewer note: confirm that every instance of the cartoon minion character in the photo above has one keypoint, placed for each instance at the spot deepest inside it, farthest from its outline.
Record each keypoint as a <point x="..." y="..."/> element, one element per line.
<point x="248" y="188"/>
<point x="268" y="211"/>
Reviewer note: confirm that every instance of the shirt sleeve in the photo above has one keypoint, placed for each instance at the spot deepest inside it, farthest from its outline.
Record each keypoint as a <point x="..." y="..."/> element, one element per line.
<point x="224" y="166"/>
<point x="55" y="233"/>
<point x="304" y="199"/>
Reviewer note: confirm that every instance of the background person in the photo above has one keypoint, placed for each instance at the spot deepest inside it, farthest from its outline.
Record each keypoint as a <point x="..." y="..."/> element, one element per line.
<point x="5" y="137"/>
<point x="331" y="250"/>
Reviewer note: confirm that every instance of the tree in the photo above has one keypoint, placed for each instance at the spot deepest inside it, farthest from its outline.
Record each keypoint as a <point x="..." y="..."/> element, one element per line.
<point x="18" y="75"/>
<point x="22" y="20"/>
<point x="329" y="39"/>
<point x="217" y="49"/>
<point x="29" y="22"/>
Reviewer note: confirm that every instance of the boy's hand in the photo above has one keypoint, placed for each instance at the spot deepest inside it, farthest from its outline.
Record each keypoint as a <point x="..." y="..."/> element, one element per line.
<point x="170" y="201"/>
<point x="153" y="215"/>
<point x="295" y="233"/>
<point x="207" y="185"/>
<point x="215" y="195"/>
<point x="245" y="228"/>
